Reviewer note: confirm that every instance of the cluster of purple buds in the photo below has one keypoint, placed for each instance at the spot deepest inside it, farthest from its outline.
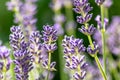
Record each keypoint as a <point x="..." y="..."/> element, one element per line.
<point x="23" y="64"/>
<point x="49" y="42"/>
<point x="73" y="49"/>
<point x="36" y="46"/>
<point x="93" y="49"/>
<point x="5" y="61"/>
<point x="99" y="22"/>
<point x="49" y="38"/>
<point x="89" y="31"/>
<point x="83" y="7"/>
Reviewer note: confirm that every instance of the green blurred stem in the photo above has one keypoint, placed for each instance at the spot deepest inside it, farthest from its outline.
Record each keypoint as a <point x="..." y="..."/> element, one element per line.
<point x="69" y="15"/>
<point x="103" y="37"/>
<point x="63" y="76"/>
<point x="100" y="67"/>
<point x="49" y="61"/>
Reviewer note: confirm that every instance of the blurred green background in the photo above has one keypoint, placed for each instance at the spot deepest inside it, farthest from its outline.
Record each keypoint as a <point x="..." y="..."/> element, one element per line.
<point x="45" y="16"/>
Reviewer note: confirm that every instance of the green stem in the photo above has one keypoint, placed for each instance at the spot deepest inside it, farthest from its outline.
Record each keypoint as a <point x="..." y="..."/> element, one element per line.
<point x="69" y="16"/>
<point x="100" y="68"/>
<point x="103" y="50"/>
<point x="90" y="41"/>
<point x="63" y="76"/>
<point x="49" y="61"/>
<point x="103" y="36"/>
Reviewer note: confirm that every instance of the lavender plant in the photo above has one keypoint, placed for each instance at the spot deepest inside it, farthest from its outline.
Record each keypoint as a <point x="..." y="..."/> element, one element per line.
<point x="30" y="56"/>
<point x="49" y="41"/>
<point x="73" y="49"/>
<point x="23" y="63"/>
<point x="83" y="8"/>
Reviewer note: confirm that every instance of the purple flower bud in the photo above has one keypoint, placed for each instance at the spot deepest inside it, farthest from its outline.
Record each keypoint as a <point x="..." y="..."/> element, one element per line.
<point x="94" y="50"/>
<point x="108" y="3"/>
<point x="72" y="45"/>
<point x="99" y="22"/>
<point x="89" y="31"/>
<point x="51" y="47"/>
<point x="4" y="52"/>
<point x="49" y="34"/>
<point x="87" y="8"/>
<point x="99" y="2"/>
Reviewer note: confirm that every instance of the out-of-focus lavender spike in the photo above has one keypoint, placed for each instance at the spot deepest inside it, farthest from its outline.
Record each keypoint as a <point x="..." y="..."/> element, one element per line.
<point x="59" y="18"/>
<point x="99" y="22"/>
<point x="56" y="5"/>
<point x="24" y="13"/>
<point x="113" y="33"/>
<point x="5" y="61"/>
<point x="97" y="37"/>
<point x="108" y="3"/>
<point x="72" y="54"/>
<point x="23" y="64"/>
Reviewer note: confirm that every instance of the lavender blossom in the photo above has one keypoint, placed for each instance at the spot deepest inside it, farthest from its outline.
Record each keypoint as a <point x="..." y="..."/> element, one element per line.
<point x="5" y="61"/>
<point x="49" y="38"/>
<point x="83" y="8"/>
<point x="91" y="30"/>
<point x="21" y="53"/>
<point x="49" y="42"/>
<point x="94" y="50"/>
<point x="36" y="46"/>
<point x="74" y="59"/>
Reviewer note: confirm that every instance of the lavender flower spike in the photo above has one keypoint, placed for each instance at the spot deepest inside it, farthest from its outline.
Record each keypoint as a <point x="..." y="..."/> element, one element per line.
<point x="83" y="8"/>
<point x="21" y="53"/>
<point x="36" y="46"/>
<point x="49" y="38"/>
<point x="113" y="33"/>
<point x="5" y="62"/>
<point x="74" y="59"/>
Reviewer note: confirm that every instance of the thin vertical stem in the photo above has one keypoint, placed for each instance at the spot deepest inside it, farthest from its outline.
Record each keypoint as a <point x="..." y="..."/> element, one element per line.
<point x="49" y="61"/>
<point x="100" y="67"/>
<point x="103" y="36"/>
